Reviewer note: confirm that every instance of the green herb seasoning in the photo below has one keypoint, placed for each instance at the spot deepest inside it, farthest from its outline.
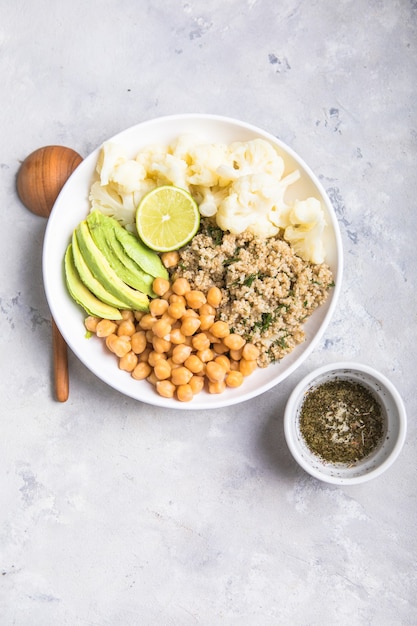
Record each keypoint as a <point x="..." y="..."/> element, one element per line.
<point x="341" y="421"/>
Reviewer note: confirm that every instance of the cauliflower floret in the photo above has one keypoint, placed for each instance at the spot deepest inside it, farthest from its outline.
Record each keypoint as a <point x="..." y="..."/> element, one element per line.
<point x="183" y="146"/>
<point x="127" y="176"/>
<point x="305" y="231"/>
<point x="172" y="170"/>
<point x="209" y="199"/>
<point x="251" y="157"/>
<point x="106" y="199"/>
<point x="206" y="160"/>
<point x="111" y="155"/>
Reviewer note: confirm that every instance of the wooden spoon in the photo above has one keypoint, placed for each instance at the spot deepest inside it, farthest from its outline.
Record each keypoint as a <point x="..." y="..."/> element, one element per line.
<point x="39" y="180"/>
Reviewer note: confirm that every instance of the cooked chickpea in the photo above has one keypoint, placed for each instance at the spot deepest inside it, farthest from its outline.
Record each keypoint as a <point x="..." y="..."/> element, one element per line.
<point x="160" y="286"/>
<point x="127" y="314"/>
<point x="161" y="328"/>
<point x="128" y="362"/>
<point x="119" y="345"/>
<point x="138" y="341"/>
<point x="184" y="393"/>
<point x="177" y="336"/>
<point x="141" y="371"/>
<point x="91" y="322"/>
<point x="180" y="286"/>
<point x="207" y="309"/>
<point x="138" y="315"/>
<point x="214" y="296"/>
<point x="190" y="325"/>
<point x="234" y="341"/>
<point x="250" y="352"/>
<point x="180" y="375"/>
<point x="154" y="357"/>
<point x="236" y="355"/>
<point x="197" y="384"/>
<point x="152" y="379"/>
<point x="234" y="379"/>
<point x="194" y="364"/>
<point x="165" y="388"/>
<point x="176" y="310"/>
<point x="200" y="341"/>
<point x="147" y="321"/>
<point x="157" y="307"/>
<point x="144" y="356"/>
<point x="162" y="369"/>
<point x="216" y="387"/>
<point x="215" y="371"/>
<point x="127" y="328"/>
<point x="181" y="353"/>
<point x="220" y="348"/>
<point x="223" y="360"/>
<point x="170" y="259"/>
<point x="206" y="321"/>
<point x="220" y="329"/>
<point x="195" y="298"/>
<point x="160" y="344"/>
<point x="105" y="328"/>
<point x="205" y="355"/>
<point x="247" y="367"/>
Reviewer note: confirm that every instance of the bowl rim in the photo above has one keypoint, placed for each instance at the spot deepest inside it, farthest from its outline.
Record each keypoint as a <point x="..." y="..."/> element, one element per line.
<point x="52" y="274"/>
<point x="307" y="381"/>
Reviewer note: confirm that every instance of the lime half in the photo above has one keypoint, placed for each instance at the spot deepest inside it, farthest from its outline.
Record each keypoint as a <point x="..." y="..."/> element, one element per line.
<point x="167" y="218"/>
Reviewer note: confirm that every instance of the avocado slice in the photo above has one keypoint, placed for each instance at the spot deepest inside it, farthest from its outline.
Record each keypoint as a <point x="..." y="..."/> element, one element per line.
<point x="83" y="296"/>
<point x="105" y="274"/>
<point x="102" y="229"/>
<point x="91" y="282"/>
<point x="146" y="258"/>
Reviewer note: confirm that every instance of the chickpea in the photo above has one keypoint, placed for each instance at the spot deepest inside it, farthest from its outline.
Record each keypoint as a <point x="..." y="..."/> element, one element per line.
<point x="91" y="322"/>
<point x="147" y="321"/>
<point x="144" y="356"/>
<point x="162" y="369"/>
<point x="165" y="388"/>
<point x="236" y="355"/>
<point x="234" y="341"/>
<point x="176" y="310"/>
<point x="127" y="314"/>
<point x="250" y="352"/>
<point x="161" y="328"/>
<point x="138" y="341"/>
<point x="152" y="379"/>
<point x="157" y="307"/>
<point x="194" y="364"/>
<point x="138" y="315"/>
<point x="234" y="378"/>
<point x="214" y="296"/>
<point x="197" y="384"/>
<point x="105" y="328"/>
<point x="200" y="341"/>
<point x="216" y="387"/>
<point x="180" y="353"/>
<point x="184" y="393"/>
<point x="205" y="355"/>
<point x="207" y="309"/>
<point x="180" y="375"/>
<point x="119" y="345"/>
<point x="195" y="299"/>
<point x="154" y="357"/>
<point x="180" y="286"/>
<point x="220" y="348"/>
<point x="219" y="329"/>
<point x="141" y="371"/>
<point x="190" y="313"/>
<point x="160" y="286"/>
<point x="175" y="297"/>
<point x="215" y="372"/>
<point x="170" y="259"/>
<point x="247" y="367"/>
<point x="223" y="360"/>
<point x="206" y="321"/>
<point x="161" y="345"/>
<point x="190" y="325"/>
<point x="177" y="336"/>
<point x="127" y="328"/>
<point x="128" y="362"/>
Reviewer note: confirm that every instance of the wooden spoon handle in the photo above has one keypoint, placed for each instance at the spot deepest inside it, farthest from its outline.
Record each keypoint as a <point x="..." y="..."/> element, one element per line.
<point x="60" y="355"/>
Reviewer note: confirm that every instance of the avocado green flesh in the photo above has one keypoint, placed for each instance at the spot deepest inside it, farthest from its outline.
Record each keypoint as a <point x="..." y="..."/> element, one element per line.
<point x="105" y="274"/>
<point x="83" y="296"/>
<point x="147" y="259"/>
<point x="102" y="229"/>
<point x="91" y="282"/>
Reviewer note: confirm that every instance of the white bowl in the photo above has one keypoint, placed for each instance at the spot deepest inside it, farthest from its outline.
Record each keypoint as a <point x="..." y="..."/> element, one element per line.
<point x="381" y="458"/>
<point x="72" y="206"/>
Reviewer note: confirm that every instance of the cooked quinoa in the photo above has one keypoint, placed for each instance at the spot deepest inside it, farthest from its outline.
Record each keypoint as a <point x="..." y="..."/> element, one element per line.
<point x="268" y="292"/>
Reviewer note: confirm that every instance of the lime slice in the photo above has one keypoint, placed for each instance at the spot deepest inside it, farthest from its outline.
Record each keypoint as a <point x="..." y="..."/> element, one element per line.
<point x="167" y="218"/>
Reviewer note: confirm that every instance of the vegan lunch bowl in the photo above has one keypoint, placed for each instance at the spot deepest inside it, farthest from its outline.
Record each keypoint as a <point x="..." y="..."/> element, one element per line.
<point x="192" y="261"/>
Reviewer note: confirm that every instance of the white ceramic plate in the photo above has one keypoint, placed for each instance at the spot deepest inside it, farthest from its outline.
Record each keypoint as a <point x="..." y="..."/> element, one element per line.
<point x="72" y="206"/>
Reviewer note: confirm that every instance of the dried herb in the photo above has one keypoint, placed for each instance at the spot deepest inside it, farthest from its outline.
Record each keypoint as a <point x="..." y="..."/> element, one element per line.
<point x="341" y="421"/>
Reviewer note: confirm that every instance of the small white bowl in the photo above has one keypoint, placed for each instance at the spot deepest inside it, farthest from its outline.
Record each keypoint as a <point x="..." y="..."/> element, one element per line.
<point x="381" y="458"/>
